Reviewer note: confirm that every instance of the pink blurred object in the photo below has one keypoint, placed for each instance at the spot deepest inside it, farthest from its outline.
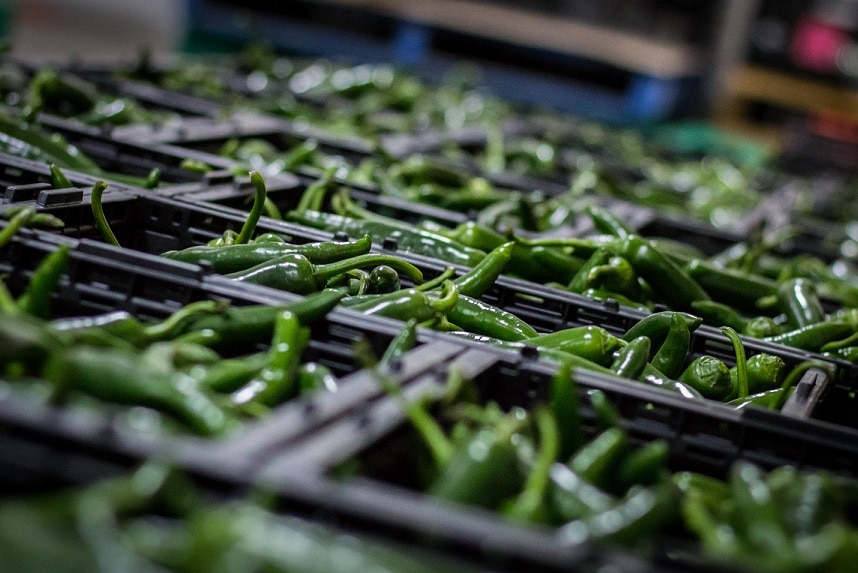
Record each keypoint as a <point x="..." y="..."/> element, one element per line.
<point x="816" y="44"/>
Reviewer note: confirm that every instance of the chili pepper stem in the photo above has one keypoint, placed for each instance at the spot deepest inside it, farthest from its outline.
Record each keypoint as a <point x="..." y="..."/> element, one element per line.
<point x="741" y="361"/>
<point x="98" y="212"/>
<point x="250" y="223"/>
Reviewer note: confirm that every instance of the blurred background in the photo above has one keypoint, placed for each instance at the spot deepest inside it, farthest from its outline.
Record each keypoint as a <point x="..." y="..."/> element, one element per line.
<point x="775" y="74"/>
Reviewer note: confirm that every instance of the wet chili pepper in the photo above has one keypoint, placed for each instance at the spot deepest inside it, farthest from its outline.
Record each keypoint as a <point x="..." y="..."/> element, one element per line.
<point x="656" y="326"/>
<point x="295" y="273"/>
<point x="316" y="377"/>
<point x="16" y="221"/>
<point x="765" y="372"/>
<point x="101" y="222"/>
<point x="814" y="336"/>
<point x="800" y="302"/>
<point x="482" y="471"/>
<point x="710" y="376"/>
<point x="573" y="497"/>
<point x="116" y="376"/>
<point x="278" y="380"/>
<point x="407" y="237"/>
<point x="672" y="283"/>
<point x="645" y="465"/>
<point x="739" y="289"/>
<point x="592" y="342"/>
<point x="383" y="279"/>
<point x="761" y="327"/>
<point x="719" y="314"/>
<point x="564" y="402"/>
<point x="618" y="276"/>
<point x="630" y="360"/>
<point x="580" y="281"/>
<point x="484" y="274"/>
<point x="607" y="222"/>
<point x="255" y="323"/>
<point x="671" y="354"/>
<point x="480" y="317"/>
<point x="26" y="341"/>
<point x="36" y="298"/>
<point x="404" y="341"/>
<point x="597" y="459"/>
<point x="129" y="329"/>
<point x="530" y="505"/>
<point x="640" y="514"/>
<point x="412" y="303"/>
<point x="237" y="257"/>
<point x="26" y="139"/>
<point x="229" y="374"/>
<point x="248" y="228"/>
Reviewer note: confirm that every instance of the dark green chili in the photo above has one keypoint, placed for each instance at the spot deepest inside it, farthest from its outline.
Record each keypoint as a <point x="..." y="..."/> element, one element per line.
<point x="101" y="222"/>
<point x="234" y="258"/>
<point x="36" y="299"/>
<point x="671" y="354"/>
<point x="630" y="360"/>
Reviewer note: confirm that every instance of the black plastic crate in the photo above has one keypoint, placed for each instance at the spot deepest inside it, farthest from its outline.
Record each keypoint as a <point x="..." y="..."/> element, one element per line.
<point x="208" y="136"/>
<point x="90" y="441"/>
<point x="703" y="438"/>
<point x="151" y="224"/>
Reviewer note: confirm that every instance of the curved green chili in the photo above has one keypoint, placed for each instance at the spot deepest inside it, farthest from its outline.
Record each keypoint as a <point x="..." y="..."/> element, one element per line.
<point x="101" y="222"/>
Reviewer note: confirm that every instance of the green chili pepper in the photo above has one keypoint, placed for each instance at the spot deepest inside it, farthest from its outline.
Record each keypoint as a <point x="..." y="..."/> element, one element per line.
<point x="483" y="275"/>
<point x="607" y="222"/>
<point x="630" y="360"/>
<point x="278" y="379"/>
<point x="616" y="275"/>
<point x="412" y="303"/>
<point x="573" y="497"/>
<point x="757" y="512"/>
<point x="719" y="314"/>
<point x="800" y="302"/>
<point x="313" y="197"/>
<point x="116" y="376"/>
<point x="229" y="374"/>
<point x="709" y="376"/>
<point x="249" y="226"/>
<point x="591" y="342"/>
<point x="128" y="328"/>
<point x="16" y="222"/>
<point x="234" y="258"/>
<point x="255" y="323"/>
<point x="58" y="178"/>
<point x="479" y="317"/>
<point x="765" y="372"/>
<point x="761" y="327"/>
<point x="596" y="460"/>
<point x="669" y="281"/>
<point x="646" y="465"/>
<point x="26" y="341"/>
<point x="401" y="343"/>
<point x="315" y="377"/>
<point x="29" y="140"/>
<point x="671" y="354"/>
<point x="101" y="222"/>
<point x="482" y="472"/>
<point x="383" y="279"/>
<point x="642" y="513"/>
<point x="580" y="281"/>
<point x="739" y="289"/>
<point x="530" y="504"/>
<point x="295" y="273"/>
<point x="407" y="237"/>
<point x="36" y="299"/>
<point x="656" y="326"/>
<point x="814" y="336"/>
<point x="564" y="402"/>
